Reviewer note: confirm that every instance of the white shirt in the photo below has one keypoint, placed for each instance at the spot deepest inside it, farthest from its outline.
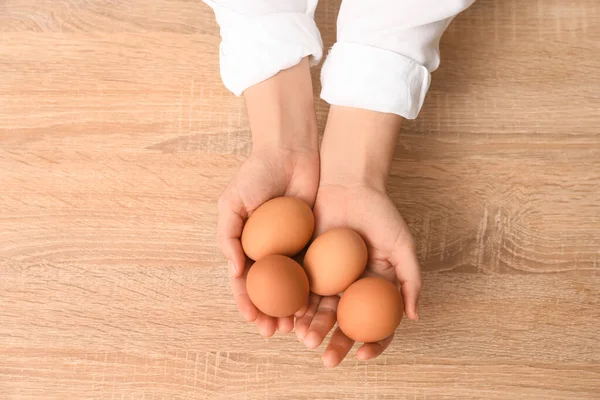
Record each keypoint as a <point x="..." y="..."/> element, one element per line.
<point x="382" y="61"/>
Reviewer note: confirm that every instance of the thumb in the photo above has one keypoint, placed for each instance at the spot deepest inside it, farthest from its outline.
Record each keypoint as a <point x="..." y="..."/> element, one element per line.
<point x="303" y="186"/>
<point x="231" y="215"/>
<point x="406" y="265"/>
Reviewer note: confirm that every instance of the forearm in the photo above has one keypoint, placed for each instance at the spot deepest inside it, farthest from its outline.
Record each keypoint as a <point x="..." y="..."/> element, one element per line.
<point x="281" y="111"/>
<point x="358" y="147"/>
<point x="378" y="73"/>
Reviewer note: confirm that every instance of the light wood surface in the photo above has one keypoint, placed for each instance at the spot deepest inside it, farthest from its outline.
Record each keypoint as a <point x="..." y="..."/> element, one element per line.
<point x="117" y="136"/>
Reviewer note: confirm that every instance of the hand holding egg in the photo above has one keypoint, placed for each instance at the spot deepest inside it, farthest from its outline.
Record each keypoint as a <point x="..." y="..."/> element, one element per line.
<point x="370" y="308"/>
<point x="391" y="261"/>
<point x="266" y="174"/>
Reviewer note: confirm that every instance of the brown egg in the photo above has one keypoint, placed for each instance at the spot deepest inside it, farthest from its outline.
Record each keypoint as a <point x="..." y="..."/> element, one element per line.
<point x="282" y="225"/>
<point x="334" y="260"/>
<point x="277" y="285"/>
<point x="370" y="310"/>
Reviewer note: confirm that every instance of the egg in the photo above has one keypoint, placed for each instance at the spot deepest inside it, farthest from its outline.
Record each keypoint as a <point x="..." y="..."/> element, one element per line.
<point x="370" y="310"/>
<point x="277" y="285"/>
<point x="283" y="225"/>
<point x="334" y="260"/>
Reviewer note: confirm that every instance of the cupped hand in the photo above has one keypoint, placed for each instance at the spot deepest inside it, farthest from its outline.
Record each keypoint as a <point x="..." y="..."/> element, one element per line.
<point x="392" y="256"/>
<point x="266" y="174"/>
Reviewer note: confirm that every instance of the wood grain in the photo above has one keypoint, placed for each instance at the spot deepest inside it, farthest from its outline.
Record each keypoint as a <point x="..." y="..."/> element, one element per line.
<point x="117" y="136"/>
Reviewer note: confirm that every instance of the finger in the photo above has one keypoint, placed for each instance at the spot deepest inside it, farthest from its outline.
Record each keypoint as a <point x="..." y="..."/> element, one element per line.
<point x="408" y="272"/>
<point x="230" y="224"/>
<point x="323" y="222"/>
<point x="339" y="346"/>
<point x="411" y="291"/>
<point x="322" y="322"/>
<point x="266" y="325"/>
<point x="372" y="350"/>
<point x="298" y="188"/>
<point x="244" y="304"/>
<point x="301" y="311"/>
<point x="285" y="324"/>
<point x="303" y="322"/>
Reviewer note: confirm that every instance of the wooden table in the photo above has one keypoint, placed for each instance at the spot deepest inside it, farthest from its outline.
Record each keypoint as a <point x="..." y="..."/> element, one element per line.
<point x="117" y="136"/>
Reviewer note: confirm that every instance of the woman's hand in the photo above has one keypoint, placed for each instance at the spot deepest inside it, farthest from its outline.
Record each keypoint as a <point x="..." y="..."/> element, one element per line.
<point x="392" y="256"/>
<point x="356" y="156"/>
<point x="284" y="162"/>
<point x="265" y="175"/>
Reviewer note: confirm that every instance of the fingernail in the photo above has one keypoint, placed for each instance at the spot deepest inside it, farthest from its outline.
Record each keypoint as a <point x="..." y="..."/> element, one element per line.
<point x="231" y="267"/>
<point x="327" y="361"/>
<point x="300" y="312"/>
<point x="311" y="340"/>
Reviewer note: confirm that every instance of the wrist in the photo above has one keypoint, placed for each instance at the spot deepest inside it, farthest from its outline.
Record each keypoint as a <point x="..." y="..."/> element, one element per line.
<point x="281" y="111"/>
<point x="358" y="147"/>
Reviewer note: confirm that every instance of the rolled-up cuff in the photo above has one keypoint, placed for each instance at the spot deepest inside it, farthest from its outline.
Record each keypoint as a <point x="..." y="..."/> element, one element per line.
<point x="255" y="49"/>
<point x="360" y="76"/>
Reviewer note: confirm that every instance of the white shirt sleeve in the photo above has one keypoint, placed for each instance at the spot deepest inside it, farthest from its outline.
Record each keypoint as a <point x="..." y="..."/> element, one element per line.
<point x="385" y="52"/>
<point x="259" y="38"/>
